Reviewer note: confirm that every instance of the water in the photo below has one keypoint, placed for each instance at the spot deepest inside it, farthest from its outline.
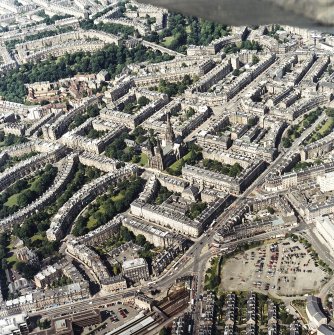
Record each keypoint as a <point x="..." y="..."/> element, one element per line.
<point x="239" y="12"/>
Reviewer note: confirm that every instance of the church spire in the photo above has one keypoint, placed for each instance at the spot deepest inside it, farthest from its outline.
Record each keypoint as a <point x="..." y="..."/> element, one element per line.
<point x="169" y="135"/>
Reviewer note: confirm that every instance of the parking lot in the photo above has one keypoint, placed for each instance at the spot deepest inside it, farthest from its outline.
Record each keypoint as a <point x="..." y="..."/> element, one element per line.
<point x="113" y="316"/>
<point x="284" y="268"/>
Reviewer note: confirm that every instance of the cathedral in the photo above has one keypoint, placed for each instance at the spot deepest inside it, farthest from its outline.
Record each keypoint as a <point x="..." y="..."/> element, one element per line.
<point x="167" y="151"/>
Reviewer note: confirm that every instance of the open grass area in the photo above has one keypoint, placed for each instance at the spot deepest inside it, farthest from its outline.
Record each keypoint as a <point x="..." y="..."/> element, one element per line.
<point x="106" y="206"/>
<point x="32" y="187"/>
<point x="118" y="197"/>
<point x="143" y="159"/>
<point x="168" y="41"/>
<point x="295" y="131"/>
<point x="329" y="124"/>
<point x="178" y="164"/>
<point x="322" y="130"/>
<point x="12" y="259"/>
<point x="12" y="200"/>
<point x="300" y="306"/>
<point x="92" y="223"/>
<point x="37" y="237"/>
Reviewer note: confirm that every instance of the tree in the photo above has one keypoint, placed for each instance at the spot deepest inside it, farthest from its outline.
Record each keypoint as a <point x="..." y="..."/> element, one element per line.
<point x="112" y="58"/>
<point x="27" y="270"/>
<point x="271" y="210"/>
<point x="45" y="324"/>
<point x="255" y="59"/>
<point x="235" y="170"/>
<point x="80" y="228"/>
<point x="251" y="122"/>
<point x="165" y="331"/>
<point x="93" y="134"/>
<point x="126" y="235"/>
<point x="196" y="209"/>
<point x="143" y="101"/>
<point x="135" y="159"/>
<point x="236" y="72"/>
<point x="24" y="198"/>
<point x="286" y="142"/>
<point x="140" y="240"/>
<point x="306" y="123"/>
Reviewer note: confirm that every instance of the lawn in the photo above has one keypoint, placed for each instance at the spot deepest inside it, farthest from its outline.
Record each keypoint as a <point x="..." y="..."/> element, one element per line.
<point x="176" y="166"/>
<point x="168" y="41"/>
<point x="37" y="237"/>
<point x="143" y="159"/>
<point x="322" y="130"/>
<point x="92" y="223"/>
<point x="12" y="200"/>
<point x="118" y="197"/>
<point x="12" y="259"/>
<point x="327" y="126"/>
<point x="299" y="305"/>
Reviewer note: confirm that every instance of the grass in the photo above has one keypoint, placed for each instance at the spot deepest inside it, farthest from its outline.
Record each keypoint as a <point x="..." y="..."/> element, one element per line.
<point x="118" y="197"/>
<point x="12" y="259"/>
<point x="34" y="182"/>
<point x="92" y="223"/>
<point x="299" y="305"/>
<point x="168" y="41"/>
<point x="37" y="237"/>
<point x="322" y="130"/>
<point x="143" y="159"/>
<point x="176" y="165"/>
<point x="12" y="200"/>
<point x="327" y="126"/>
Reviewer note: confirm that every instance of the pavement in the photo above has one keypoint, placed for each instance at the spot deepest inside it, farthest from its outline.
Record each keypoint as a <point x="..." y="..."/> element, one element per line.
<point x="194" y="260"/>
<point x="287" y="271"/>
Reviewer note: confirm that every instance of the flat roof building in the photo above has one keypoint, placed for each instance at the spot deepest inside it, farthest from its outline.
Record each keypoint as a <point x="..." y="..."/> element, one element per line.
<point x="135" y="269"/>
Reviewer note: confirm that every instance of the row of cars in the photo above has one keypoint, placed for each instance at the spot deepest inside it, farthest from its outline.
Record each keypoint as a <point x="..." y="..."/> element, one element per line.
<point x="114" y="317"/>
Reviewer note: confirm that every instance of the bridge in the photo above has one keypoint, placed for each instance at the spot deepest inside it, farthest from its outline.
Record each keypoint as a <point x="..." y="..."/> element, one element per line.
<point x="161" y="48"/>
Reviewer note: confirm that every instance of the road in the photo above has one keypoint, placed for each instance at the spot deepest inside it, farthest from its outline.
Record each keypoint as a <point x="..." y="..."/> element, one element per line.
<point x="195" y="258"/>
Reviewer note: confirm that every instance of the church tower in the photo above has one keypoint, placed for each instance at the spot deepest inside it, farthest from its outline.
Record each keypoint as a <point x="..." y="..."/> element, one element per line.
<point x="169" y="135"/>
<point x="156" y="159"/>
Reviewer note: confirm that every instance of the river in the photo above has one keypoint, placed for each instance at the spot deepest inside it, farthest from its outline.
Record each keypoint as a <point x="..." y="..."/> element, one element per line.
<point x="238" y="12"/>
